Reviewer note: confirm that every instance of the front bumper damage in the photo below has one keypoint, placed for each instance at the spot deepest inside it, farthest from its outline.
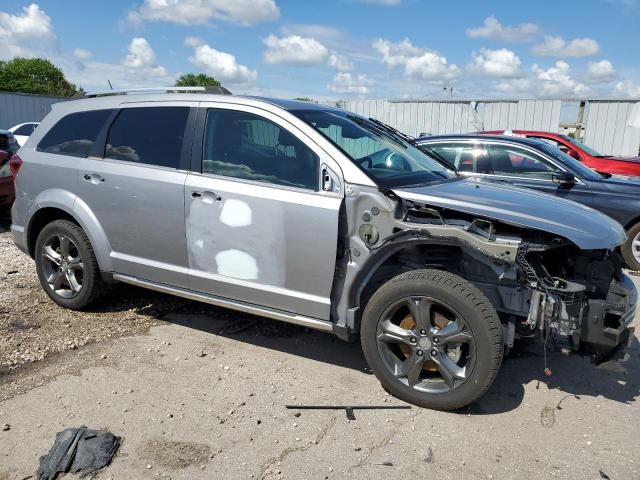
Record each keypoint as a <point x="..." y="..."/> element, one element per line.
<point x="581" y="323"/>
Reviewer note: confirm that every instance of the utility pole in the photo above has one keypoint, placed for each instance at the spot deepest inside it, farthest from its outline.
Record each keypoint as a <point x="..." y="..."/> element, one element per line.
<point x="450" y="90"/>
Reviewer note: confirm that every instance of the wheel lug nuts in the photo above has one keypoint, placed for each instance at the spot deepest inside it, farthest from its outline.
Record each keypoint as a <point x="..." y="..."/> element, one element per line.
<point x="419" y="353"/>
<point x="434" y="353"/>
<point x="413" y="339"/>
<point x="436" y="340"/>
<point x="423" y="332"/>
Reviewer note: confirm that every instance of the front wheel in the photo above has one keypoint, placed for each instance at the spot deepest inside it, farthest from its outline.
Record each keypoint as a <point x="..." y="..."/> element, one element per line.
<point x="432" y="339"/>
<point x="631" y="248"/>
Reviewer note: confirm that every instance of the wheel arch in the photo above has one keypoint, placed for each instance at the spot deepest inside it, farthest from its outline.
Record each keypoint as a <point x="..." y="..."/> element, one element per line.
<point x="56" y="204"/>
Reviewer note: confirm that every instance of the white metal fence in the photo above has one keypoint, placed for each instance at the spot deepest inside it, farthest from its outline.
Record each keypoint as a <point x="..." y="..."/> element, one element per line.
<point x="612" y="127"/>
<point x="18" y="108"/>
<point x="460" y="116"/>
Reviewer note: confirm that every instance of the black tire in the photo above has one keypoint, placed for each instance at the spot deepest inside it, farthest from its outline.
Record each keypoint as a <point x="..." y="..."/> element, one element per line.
<point x="92" y="285"/>
<point x="627" y="248"/>
<point x="480" y="320"/>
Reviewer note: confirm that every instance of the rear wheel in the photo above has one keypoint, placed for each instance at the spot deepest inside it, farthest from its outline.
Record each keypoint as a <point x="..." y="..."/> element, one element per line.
<point x="631" y="248"/>
<point x="432" y="339"/>
<point x="66" y="265"/>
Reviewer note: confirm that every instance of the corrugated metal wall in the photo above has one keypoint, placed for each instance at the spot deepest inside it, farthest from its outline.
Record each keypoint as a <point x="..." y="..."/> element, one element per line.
<point x="613" y="127"/>
<point x="460" y="116"/>
<point x="19" y="108"/>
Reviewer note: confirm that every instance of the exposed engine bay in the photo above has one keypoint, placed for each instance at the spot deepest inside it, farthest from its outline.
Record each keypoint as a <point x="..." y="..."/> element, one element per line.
<point x="542" y="285"/>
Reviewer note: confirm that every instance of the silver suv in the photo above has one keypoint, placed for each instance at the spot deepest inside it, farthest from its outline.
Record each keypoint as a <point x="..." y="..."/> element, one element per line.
<point x="319" y="217"/>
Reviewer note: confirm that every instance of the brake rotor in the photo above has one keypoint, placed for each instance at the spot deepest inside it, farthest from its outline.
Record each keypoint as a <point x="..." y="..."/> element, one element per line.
<point x="408" y="323"/>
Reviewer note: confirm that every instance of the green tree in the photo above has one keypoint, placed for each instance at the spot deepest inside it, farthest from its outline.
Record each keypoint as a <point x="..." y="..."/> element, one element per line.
<point x="34" y="75"/>
<point x="199" y="80"/>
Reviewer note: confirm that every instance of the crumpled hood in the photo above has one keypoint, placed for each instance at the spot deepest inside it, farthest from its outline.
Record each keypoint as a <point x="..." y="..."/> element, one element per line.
<point x="587" y="228"/>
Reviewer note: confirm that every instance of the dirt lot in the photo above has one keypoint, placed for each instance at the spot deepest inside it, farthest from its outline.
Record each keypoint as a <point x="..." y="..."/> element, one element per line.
<point x="199" y="392"/>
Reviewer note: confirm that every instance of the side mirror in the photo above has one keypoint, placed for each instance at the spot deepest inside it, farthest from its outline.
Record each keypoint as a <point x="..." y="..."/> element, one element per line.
<point x="574" y="154"/>
<point x="564" y="178"/>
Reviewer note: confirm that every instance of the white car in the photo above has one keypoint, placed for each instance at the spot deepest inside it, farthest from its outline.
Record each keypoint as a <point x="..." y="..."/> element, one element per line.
<point x="23" y="131"/>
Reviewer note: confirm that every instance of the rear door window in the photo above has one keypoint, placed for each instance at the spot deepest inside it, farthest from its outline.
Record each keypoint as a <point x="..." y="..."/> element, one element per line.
<point x="148" y="135"/>
<point x="74" y="134"/>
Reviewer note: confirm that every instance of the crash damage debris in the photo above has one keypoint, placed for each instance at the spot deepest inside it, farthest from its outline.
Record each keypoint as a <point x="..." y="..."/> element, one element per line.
<point x="78" y="450"/>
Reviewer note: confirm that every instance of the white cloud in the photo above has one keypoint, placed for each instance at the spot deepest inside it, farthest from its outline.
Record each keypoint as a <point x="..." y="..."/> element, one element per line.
<point x="26" y="34"/>
<point x="516" y="86"/>
<point x="294" y="50"/>
<point x="351" y="84"/>
<point x="394" y="54"/>
<point x="558" y="47"/>
<point x="221" y="65"/>
<point x="494" y="30"/>
<point x="553" y="82"/>
<point x="320" y="32"/>
<point x="199" y="12"/>
<point x="418" y="62"/>
<point x="82" y="53"/>
<point x="627" y="89"/>
<point x="496" y="63"/>
<point x="556" y="81"/>
<point x="141" y="59"/>
<point x="600" y="72"/>
<point x="339" y="62"/>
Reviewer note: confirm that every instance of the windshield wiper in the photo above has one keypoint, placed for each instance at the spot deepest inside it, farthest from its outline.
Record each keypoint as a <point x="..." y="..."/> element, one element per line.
<point x="378" y="129"/>
<point x="395" y="132"/>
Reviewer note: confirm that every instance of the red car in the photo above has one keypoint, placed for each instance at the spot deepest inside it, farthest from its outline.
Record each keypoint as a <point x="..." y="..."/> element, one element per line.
<point x="578" y="150"/>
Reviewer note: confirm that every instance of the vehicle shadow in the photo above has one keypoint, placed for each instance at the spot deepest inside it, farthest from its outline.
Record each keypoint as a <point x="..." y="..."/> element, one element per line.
<point x="616" y="379"/>
<point x="5" y="222"/>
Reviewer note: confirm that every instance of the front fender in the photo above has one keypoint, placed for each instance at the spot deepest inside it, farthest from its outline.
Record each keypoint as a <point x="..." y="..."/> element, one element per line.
<point x="80" y="211"/>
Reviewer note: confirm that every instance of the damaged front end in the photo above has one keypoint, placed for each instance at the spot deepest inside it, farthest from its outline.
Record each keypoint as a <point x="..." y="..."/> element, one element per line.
<point x="546" y="277"/>
<point x="580" y="297"/>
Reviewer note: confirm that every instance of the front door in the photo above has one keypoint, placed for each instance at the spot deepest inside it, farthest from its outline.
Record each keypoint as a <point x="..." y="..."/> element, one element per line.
<point x="259" y="228"/>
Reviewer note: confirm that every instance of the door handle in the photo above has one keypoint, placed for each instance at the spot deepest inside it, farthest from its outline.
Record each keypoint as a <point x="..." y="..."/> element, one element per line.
<point x="207" y="196"/>
<point x="93" y="178"/>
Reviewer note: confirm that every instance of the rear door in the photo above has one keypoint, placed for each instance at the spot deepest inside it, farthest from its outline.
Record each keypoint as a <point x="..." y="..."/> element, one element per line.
<point x="259" y="227"/>
<point x="134" y="185"/>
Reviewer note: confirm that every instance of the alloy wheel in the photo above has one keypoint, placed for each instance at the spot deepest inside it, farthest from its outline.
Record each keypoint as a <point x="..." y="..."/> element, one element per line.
<point x="62" y="266"/>
<point x="635" y="247"/>
<point x="426" y="344"/>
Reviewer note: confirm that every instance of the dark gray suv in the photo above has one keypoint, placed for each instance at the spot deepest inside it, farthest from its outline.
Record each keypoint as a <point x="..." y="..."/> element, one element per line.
<point x="315" y="216"/>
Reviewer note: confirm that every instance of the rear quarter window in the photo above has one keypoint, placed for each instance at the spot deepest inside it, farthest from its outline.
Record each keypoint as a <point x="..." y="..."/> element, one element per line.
<point x="74" y="134"/>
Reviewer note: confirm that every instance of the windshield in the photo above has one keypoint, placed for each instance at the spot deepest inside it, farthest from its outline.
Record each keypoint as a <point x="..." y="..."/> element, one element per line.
<point x="382" y="154"/>
<point x="582" y="146"/>
<point x="577" y="167"/>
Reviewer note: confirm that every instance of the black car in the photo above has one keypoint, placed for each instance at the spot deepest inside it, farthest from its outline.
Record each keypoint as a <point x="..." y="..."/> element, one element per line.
<point x="536" y="164"/>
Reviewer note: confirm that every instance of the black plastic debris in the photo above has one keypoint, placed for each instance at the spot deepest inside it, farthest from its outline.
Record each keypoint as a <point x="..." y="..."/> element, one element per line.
<point x="78" y="450"/>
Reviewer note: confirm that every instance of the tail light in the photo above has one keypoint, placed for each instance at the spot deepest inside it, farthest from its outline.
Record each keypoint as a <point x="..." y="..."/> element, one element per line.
<point x="14" y="164"/>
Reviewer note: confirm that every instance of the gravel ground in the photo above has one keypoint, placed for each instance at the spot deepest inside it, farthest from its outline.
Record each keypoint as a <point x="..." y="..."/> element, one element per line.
<point x="33" y="327"/>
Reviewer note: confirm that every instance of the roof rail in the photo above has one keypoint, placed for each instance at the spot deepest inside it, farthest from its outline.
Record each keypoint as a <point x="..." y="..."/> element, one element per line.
<point x="126" y="91"/>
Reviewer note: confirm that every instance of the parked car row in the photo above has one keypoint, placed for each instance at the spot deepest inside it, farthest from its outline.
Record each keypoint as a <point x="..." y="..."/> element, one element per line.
<point x="316" y="216"/>
<point x="532" y="163"/>
<point x="609" y="164"/>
